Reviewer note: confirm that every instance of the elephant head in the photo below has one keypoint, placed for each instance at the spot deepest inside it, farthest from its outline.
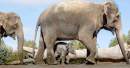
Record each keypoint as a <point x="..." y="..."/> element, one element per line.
<point x="112" y="22"/>
<point x="12" y="26"/>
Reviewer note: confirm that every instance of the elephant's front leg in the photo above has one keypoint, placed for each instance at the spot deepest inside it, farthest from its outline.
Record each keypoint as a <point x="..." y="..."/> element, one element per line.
<point x="90" y="43"/>
<point x="62" y="57"/>
<point x="50" y="41"/>
<point x="67" y="59"/>
<point x="91" y="52"/>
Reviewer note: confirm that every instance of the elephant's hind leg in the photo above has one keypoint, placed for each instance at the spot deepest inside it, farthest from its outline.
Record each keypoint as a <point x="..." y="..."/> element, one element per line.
<point x="50" y="41"/>
<point x="41" y="50"/>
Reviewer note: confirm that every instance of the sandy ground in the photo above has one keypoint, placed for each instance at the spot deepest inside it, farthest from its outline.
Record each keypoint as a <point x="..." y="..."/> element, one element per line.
<point x="98" y="65"/>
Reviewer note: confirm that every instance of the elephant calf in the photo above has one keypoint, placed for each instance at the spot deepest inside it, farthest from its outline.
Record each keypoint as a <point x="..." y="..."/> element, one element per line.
<point x="62" y="50"/>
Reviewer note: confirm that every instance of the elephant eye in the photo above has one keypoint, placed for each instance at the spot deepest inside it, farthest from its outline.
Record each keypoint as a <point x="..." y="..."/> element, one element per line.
<point x="114" y="21"/>
<point x="14" y="26"/>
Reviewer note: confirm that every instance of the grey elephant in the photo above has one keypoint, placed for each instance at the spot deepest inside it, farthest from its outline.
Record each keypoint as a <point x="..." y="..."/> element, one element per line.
<point x="81" y="21"/>
<point x="11" y="25"/>
<point x="62" y="50"/>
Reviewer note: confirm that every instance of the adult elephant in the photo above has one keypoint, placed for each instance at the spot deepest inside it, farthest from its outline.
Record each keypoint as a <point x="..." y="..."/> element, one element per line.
<point x="82" y="21"/>
<point x="11" y="25"/>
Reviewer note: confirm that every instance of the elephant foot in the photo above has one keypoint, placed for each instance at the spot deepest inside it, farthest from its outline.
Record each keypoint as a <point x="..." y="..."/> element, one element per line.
<point x="51" y="61"/>
<point x="67" y="62"/>
<point x="62" y="63"/>
<point x="21" y="63"/>
<point x="39" y="62"/>
<point x="90" y="61"/>
<point x="128" y="61"/>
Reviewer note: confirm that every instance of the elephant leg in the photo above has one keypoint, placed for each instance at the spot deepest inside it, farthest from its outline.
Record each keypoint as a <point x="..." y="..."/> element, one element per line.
<point x="50" y="41"/>
<point x="90" y="44"/>
<point x="40" y="53"/>
<point x="91" y="57"/>
<point x="67" y="59"/>
<point x="63" y="57"/>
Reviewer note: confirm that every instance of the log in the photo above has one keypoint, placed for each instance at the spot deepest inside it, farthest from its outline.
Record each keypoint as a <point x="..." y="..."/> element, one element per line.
<point x="103" y="54"/>
<point x="113" y="53"/>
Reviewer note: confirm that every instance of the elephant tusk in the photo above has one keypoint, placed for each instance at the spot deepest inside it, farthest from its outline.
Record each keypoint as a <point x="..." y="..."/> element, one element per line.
<point x="118" y="14"/>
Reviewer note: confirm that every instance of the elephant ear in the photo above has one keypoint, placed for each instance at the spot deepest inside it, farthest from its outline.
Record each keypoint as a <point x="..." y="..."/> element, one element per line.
<point x="3" y="19"/>
<point x="11" y="21"/>
<point x="111" y="8"/>
<point x="13" y="18"/>
<point x="107" y="8"/>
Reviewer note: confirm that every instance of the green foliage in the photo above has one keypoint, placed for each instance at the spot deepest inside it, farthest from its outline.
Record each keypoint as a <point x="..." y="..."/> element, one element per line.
<point x="115" y="42"/>
<point x="77" y="44"/>
<point x="128" y="40"/>
<point x="29" y="43"/>
<point x="5" y="53"/>
<point x="14" y="57"/>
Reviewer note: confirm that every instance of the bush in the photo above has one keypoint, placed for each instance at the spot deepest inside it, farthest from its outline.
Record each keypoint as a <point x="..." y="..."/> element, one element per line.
<point x="5" y="53"/>
<point x="128" y="40"/>
<point x="77" y="44"/>
<point x="115" y="42"/>
<point x="29" y="43"/>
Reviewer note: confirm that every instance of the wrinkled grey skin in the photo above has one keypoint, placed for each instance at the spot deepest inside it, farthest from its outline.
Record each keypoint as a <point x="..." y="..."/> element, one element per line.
<point x="62" y="50"/>
<point x="81" y="23"/>
<point x="11" y="25"/>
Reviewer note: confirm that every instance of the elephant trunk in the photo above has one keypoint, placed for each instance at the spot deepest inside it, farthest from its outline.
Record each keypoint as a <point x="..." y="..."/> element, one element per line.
<point x="120" y="40"/>
<point x="20" y="38"/>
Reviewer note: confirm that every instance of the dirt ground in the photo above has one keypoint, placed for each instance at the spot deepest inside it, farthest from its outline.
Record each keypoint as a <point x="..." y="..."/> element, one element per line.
<point x="98" y="65"/>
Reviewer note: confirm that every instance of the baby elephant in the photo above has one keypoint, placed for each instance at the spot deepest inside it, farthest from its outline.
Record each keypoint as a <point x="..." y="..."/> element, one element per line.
<point x="61" y="51"/>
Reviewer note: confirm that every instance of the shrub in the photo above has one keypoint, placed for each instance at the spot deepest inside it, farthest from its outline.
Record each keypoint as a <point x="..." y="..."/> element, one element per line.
<point x="5" y="53"/>
<point x="29" y="43"/>
<point x="77" y="44"/>
<point x="128" y="40"/>
<point x="115" y="42"/>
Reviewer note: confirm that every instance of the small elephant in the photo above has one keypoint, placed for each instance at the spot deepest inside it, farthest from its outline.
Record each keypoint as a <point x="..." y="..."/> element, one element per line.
<point x="62" y="50"/>
<point x="11" y="25"/>
<point x="68" y="20"/>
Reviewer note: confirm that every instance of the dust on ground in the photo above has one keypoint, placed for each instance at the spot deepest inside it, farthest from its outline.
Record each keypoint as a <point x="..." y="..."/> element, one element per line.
<point x="98" y="65"/>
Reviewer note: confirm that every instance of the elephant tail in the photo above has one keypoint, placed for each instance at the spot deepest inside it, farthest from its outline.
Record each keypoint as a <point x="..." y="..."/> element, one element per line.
<point x="34" y="40"/>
